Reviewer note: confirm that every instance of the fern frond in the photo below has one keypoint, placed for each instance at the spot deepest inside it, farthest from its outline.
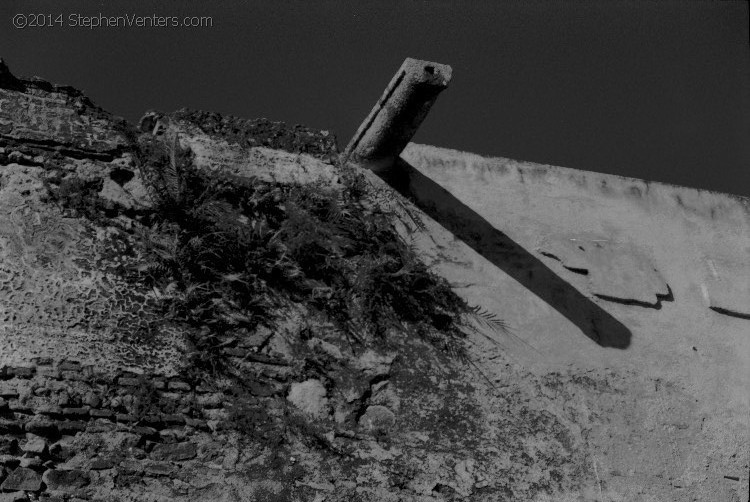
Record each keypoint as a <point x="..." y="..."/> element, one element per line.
<point x="490" y="319"/>
<point x="171" y="175"/>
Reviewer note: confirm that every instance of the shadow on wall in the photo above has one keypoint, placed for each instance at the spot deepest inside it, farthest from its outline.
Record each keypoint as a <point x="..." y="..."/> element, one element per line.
<point x="508" y="255"/>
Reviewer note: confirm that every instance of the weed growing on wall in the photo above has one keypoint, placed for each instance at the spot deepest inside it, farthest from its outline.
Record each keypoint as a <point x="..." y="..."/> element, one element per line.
<point x="224" y="252"/>
<point x="230" y="248"/>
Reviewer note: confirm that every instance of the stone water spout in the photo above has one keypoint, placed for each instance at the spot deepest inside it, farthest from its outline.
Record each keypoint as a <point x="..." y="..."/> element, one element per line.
<point x="398" y="114"/>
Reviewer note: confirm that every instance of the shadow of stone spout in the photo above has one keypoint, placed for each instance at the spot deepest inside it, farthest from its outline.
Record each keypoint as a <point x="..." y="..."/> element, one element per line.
<point x="507" y="255"/>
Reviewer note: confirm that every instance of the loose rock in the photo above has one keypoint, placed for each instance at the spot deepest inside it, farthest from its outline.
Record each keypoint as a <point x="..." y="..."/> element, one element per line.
<point x="310" y="397"/>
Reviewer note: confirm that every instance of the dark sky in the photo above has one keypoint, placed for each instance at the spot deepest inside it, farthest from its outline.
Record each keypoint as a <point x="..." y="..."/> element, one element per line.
<point x="658" y="90"/>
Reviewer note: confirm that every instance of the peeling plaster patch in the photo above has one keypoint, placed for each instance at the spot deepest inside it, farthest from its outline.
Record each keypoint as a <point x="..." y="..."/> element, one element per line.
<point x="615" y="272"/>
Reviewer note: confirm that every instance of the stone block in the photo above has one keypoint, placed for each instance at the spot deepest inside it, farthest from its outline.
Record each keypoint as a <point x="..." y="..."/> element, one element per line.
<point x="21" y="371"/>
<point x="69" y="366"/>
<point x="101" y="413"/>
<point x="173" y="419"/>
<point x="24" y="479"/>
<point x="71" y="427"/>
<point x="9" y="390"/>
<point x="20" y="406"/>
<point x="160" y="468"/>
<point x="131" y="466"/>
<point x="101" y="463"/>
<point x="129" y="382"/>
<point x="81" y="412"/>
<point x="179" y="386"/>
<point x="174" y="452"/>
<point x="65" y="481"/>
<point x="35" y="445"/>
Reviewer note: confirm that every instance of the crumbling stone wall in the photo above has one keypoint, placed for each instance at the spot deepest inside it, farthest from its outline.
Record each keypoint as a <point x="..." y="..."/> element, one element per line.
<point x="89" y="411"/>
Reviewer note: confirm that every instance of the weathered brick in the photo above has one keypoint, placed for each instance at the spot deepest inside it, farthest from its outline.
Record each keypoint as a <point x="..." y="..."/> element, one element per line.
<point x="63" y="399"/>
<point x="41" y="391"/>
<point x="174" y="452"/>
<point x="21" y="371"/>
<point x="69" y="366"/>
<point x="48" y="371"/>
<point x="147" y="432"/>
<point x="20" y="406"/>
<point x="9" y="390"/>
<point x="101" y="377"/>
<point x="80" y="412"/>
<point x="153" y="421"/>
<point x="173" y="419"/>
<point x="235" y="352"/>
<point x="101" y="463"/>
<point x="100" y="425"/>
<point x="131" y="466"/>
<point x="172" y="435"/>
<point x="48" y="409"/>
<point x="71" y="427"/>
<point x="212" y="400"/>
<point x="178" y="385"/>
<point x="196" y="423"/>
<point x="171" y="396"/>
<point x="129" y="382"/>
<point x="160" y="468"/>
<point x="56" y="386"/>
<point x="76" y="376"/>
<point x="101" y="413"/>
<point x="215" y="414"/>
<point x="92" y="400"/>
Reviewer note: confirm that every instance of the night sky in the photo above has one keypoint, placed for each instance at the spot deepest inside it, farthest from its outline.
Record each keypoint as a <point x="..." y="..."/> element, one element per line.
<point x="658" y="90"/>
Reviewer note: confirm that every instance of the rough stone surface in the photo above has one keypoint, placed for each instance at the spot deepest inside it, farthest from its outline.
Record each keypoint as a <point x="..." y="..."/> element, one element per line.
<point x="64" y="480"/>
<point x="22" y="479"/>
